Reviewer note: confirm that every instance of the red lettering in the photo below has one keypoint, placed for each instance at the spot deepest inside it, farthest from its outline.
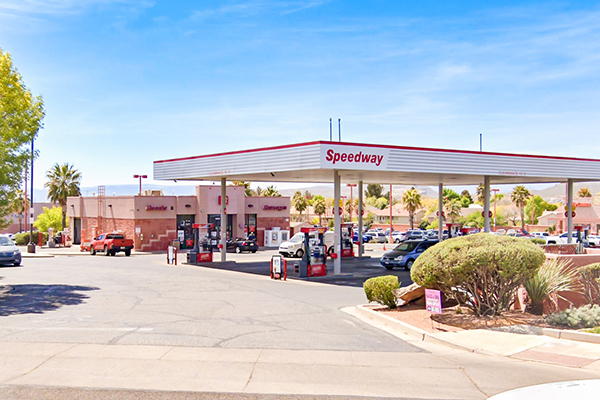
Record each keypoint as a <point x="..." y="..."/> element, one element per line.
<point x="335" y="157"/>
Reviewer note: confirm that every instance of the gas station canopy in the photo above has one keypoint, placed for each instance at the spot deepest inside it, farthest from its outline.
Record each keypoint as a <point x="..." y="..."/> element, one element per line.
<point x="315" y="162"/>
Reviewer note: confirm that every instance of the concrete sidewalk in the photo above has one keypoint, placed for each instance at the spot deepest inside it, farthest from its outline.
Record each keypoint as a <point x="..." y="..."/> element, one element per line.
<point x="554" y="346"/>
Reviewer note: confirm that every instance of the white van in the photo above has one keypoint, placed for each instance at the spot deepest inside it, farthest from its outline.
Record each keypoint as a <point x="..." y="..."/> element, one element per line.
<point x="295" y="246"/>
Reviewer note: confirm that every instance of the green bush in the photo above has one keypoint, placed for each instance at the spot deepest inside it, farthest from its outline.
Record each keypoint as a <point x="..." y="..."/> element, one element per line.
<point x="379" y="289"/>
<point x="587" y="316"/>
<point x="481" y="271"/>
<point x="538" y="241"/>
<point x="590" y="279"/>
<point x="22" y="239"/>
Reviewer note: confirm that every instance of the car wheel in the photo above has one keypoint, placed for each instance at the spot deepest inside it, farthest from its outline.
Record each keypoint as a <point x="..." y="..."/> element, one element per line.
<point x="238" y="250"/>
<point x="106" y="251"/>
<point x="128" y="252"/>
<point x="389" y="267"/>
<point x="17" y="263"/>
<point x="92" y="250"/>
<point x="299" y="253"/>
<point x="330" y="252"/>
<point x="397" y="241"/>
<point x="409" y="265"/>
<point x="253" y="251"/>
<point x="113" y="253"/>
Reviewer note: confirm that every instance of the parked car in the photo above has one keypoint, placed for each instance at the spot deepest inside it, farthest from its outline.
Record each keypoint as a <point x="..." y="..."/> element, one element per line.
<point x="295" y="246"/>
<point x="239" y="245"/>
<point x="405" y="254"/>
<point x="111" y="243"/>
<point x="398" y="237"/>
<point x="9" y="252"/>
<point x="377" y="236"/>
<point x="365" y="238"/>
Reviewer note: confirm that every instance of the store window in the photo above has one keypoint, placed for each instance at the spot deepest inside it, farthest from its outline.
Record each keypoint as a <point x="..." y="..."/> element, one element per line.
<point x="216" y="219"/>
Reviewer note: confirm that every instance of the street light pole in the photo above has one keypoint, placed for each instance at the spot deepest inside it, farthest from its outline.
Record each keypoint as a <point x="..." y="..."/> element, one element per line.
<point x="140" y="177"/>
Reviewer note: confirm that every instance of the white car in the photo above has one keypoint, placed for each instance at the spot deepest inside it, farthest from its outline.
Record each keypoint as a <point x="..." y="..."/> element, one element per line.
<point x="398" y="236"/>
<point x="295" y="246"/>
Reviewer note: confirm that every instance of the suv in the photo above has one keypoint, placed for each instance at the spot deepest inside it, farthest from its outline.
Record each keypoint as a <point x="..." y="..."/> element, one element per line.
<point x="377" y="236"/>
<point x="295" y="246"/>
<point x="405" y="254"/>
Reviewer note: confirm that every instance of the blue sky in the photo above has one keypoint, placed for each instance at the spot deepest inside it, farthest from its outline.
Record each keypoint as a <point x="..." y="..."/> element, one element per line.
<point x="127" y="82"/>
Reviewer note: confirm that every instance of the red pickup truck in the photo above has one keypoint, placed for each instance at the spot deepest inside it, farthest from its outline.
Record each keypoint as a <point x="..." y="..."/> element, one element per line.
<point x="110" y="244"/>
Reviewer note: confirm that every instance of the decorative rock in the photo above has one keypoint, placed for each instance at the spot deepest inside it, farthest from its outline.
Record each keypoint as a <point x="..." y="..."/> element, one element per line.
<point x="409" y="293"/>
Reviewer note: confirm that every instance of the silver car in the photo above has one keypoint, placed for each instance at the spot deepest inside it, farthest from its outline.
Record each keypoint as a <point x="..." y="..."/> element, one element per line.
<point x="9" y="252"/>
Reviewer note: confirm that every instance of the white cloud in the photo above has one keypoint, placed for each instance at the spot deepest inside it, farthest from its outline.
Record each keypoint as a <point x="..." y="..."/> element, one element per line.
<point x="57" y="7"/>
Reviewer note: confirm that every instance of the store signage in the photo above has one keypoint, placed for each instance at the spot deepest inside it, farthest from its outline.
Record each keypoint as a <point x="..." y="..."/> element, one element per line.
<point x="226" y="200"/>
<point x="433" y="301"/>
<point x="355" y="157"/>
<point x="274" y="208"/>
<point x="156" y="208"/>
<point x="582" y="205"/>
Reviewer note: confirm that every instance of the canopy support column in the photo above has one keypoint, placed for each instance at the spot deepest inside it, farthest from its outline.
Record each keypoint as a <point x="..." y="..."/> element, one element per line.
<point x="223" y="219"/>
<point x="569" y="210"/>
<point x="486" y="203"/>
<point x="441" y="212"/>
<point x="337" y="224"/>
<point x="360" y="218"/>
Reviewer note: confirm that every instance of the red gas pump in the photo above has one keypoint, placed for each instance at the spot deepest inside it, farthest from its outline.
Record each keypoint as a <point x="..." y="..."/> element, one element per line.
<point x="347" y="247"/>
<point x="202" y="252"/>
<point x="316" y="254"/>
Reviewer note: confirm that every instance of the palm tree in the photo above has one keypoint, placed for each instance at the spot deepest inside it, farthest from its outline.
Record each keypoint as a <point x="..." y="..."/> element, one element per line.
<point x="480" y="194"/>
<point x="319" y="207"/>
<point x="584" y="192"/>
<point x="452" y="208"/>
<point x="412" y="202"/>
<point x="519" y="196"/>
<point x="299" y="202"/>
<point x="63" y="181"/>
<point x="247" y="191"/>
<point x="271" y="191"/>
<point x="18" y="205"/>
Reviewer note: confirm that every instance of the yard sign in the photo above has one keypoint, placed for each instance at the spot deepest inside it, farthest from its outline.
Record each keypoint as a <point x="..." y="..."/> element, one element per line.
<point x="433" y="301"/>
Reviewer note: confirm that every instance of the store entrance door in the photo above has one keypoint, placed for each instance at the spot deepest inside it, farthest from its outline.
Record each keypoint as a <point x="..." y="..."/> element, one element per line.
<point x="185" y="232"/>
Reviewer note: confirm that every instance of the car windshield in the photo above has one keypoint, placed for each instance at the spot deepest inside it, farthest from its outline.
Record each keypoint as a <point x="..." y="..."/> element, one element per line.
<point x="115" y="237"/>
<point x="297" y="238"/>
<point x="4" y="241"/>
<point x="406" y="246"/>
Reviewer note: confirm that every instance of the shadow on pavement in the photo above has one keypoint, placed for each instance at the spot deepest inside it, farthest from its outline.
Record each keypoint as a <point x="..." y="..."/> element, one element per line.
<point x="355" y="271"/>
<point x="37" y="299"/>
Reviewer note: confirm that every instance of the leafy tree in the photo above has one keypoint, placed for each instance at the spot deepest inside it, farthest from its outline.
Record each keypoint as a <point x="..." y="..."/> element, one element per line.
<point x="411" y="199"/>
<point x="50" y="218"/>
<point x="247" y="191"/>
<point x="584" y="192"/>
<point x="21" y="116"/>
<point x="466" y="199"/>
<point x="382" y="203"/>
<point x="300" y="202"/>
<point x="450" y="194"/>
<point x="374" y="190"/>
<point x="63" y="181"/>
<point x="519" y="196"/>
<point x="271" y="191"/>
<point x="539" y="206"/>
<point x="319" y="207"/>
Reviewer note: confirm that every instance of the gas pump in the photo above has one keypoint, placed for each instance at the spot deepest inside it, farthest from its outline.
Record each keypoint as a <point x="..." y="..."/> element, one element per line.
<point x="202" y="250"/>
<point x="315" y="255"/>
<point x="450" y="227"/>
<point x="347" y="247"/>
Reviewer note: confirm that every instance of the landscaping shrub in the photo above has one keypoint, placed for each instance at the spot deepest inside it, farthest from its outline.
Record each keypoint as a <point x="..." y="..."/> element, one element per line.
<point x="587" y="316"/>
<point x="538" y="241"/>
<point x="22" y="239"/>
<point x="554" y="276"/>
<point x="481" y="271"/>
<point x="379" y="289"/>
<point x="590" y="279"/>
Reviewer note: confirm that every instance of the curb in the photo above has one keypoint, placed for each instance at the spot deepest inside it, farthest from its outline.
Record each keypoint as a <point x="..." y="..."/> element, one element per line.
<point x="408" y="329"/>
<point x="365" y="311"/>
